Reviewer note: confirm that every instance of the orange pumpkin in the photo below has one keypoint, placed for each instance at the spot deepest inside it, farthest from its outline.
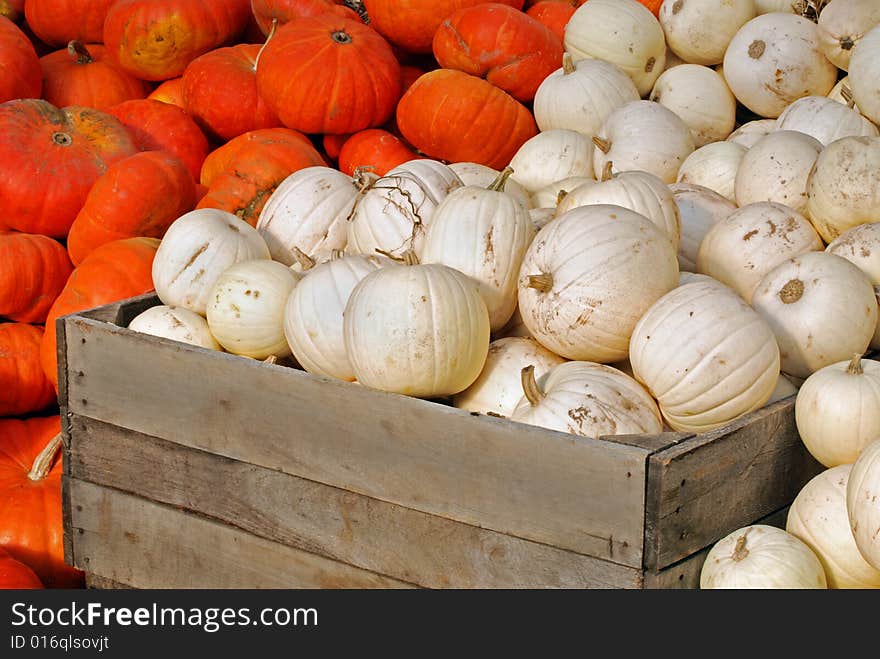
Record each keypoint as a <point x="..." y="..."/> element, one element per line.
<point x="16" y="575"/>
<point x="112" y="272"/>
<point x="49" y="158"/>
<point x="33" y="271"/>
<point x="510" y="49"/>
<point x="156" y="39"/>
<point x="138" y="196"/>
<point x="411" y="24"/>
<point x="653" y="5"/>
<point x="554" y="14"/>
<point x="170" y="91"/>
<point x="11" y="9"/>
<point x="457" y="117"/>
<point x="327" y="74"/>
<point x="20" y="74"/>
<point x="56" y="22"/>
<point x="31" y="528"/>
<point x="220" y="92"/>
<point x="374" y="148"/>
<point x="285" y="11"/>
<point x="83" y="75"/>
<point x="156" y="126"/>
<point x="25" y="387"/>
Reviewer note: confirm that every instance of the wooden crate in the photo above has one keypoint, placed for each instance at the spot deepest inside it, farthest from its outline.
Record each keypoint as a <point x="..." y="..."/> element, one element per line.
<point x="192" y="468"/>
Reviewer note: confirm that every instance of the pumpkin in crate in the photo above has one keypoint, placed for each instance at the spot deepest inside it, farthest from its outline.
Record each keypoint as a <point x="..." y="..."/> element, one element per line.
<point x="156" y="39"/>
<point x="376" y="149"/>
<point x="25" y="387"/>
<point x="284" y="11"/>
<point x="31" y="528"/>
<point x="16" y="575"/>
<point x="20" y="74"/>
<point x="49" y="159"/>
<point x="57" y="22"/>
<point x="33" y="271"/>
<point x="112" y="272"/>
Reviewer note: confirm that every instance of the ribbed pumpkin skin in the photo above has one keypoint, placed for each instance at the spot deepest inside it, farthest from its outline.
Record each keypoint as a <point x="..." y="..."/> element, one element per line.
<point x="31" y="528"/>
<point x="220" y="92"/>
<point x="287" y="10"/>
<point x="327" y="74"/>
<point x="20" y="74"/>
<point x="170" y="91"/>
<point x="12" y="9"/>
<point x="138" y="196"/>
<point x="554" y="14"/>
<point x="112" y="272"/>
<point x="259" y="161"/>
<point x="33" y="271"/>
<point x="25" y="387"/>
<point x="411" y="24"/>
<point x="156" y="39"/>
<point x="49" y="158"/>
<point x="158" y="126"/>
<point x="58" y="21"/>
<point x="457" y="117"/>
<point x="374" y="148"/>
<point x="15" y="574"/>
<point x="511" y="50"/>
<point x="88" y="78"/>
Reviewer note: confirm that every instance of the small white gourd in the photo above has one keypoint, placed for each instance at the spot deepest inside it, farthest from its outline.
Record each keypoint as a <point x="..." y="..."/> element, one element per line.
<point x="825" y="119"/>
<point x="842" y="24"/>
<point x="552" y="155"/>
<point x="714" y="166"/>
<point x="862" y="497"/>
<point x="176" y="324"/>
<point x="699" y="209"/>
<point x="699" y="31"/>
<point x="864" y="75"/>
<point x="750" y="132"/>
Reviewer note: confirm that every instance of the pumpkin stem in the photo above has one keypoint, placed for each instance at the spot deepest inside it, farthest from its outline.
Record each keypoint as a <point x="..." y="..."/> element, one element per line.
<point x="740" y="551"/>
<point x="855" y="365"/>
<point x="562" y="194"/>
<point x="357" y="6"/>
<point x="530" y="385"/>
<point x="792" y="291"/>
<point x="341" y="37"/>
<point x="499" y="183"/>
<point x="606" y="171"/>
<point x="271" y="359"/>
<point x="305" y="261"/>
<point x="602" y="144"/>
<point x="266" y="42"/>
<point x="542" y="282"/>
<point x="568" y="66"/>
<point x="847" y="95"/>
<point x="80" y="52"/>
<point x="410" y="258"/>
<point x="336" y="254"/>
<point x="45" y="460"/>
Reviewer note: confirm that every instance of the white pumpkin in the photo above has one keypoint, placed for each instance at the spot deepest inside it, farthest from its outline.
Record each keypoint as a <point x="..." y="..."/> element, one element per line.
<point x="844" y="187"/>
<point x="714" y="166"/>
<point x="246" y="308"/>
<point x="825" y="119"/>
<point x="842" y="24"/>
<point x="838" y="410"/>
<point x="699" y="209"/>
<point x="862" y="497"/>
<point x="685" y="278"/>
<point x="864" y="75"/>
<point x="818" y="516"/>
<point x="672" y="60"/>
<point x="587" y="399"/>
<point x="861" y="246"/>
<point x="393" y="213"/>
<point x="552" y="155"/>
<point x="582" y="284"/>
<point x="701" y="98"/>
<point x="641" y="192"/>
<point x="623" y="32"/>
<point x="308" y="215"/>
<point x="705" y="355"/>
<point x="768" y="6"/>
<point x="419" y="330"/>
<point x="540" y="217"/>
<point x="746" y="245"/>
<point x="580" y="96"/>
<point x="644" y="136"/>
<point x="175" y="323"/>
<point x="699" y="31"/>
<point x="774" y="60"/>
<point x="313" y="313"/>
<point x="515" y="327"/>
<point x="750" y="132"/>
<point x="822" y="310"/>
<point x="482" y="176"/>
<point x="483" y="233"/>
<point x="784" y="389"/>
<point x="776" y="169"/>
<point x="499" y="387"/>
<point x="195" y="251"/>
<point x="762" y="557"/>
<point x="550" y="195"/>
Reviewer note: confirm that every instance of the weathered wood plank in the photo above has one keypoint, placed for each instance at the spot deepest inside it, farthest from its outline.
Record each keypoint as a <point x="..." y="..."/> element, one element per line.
<point x="97" y="582"/>
<point x="381" y="537"/>
<point x="583" y="495"/>
<point x="148" y="545"/>
<point x="713" y="483"/>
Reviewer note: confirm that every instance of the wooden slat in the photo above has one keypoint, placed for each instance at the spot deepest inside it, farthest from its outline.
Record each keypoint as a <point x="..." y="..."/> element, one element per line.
<point x="406" y="544"/>
<point x="583" y="495"/>
<point x="148" y="545"/>
<point x="707" y="486"/>
<point x="97" y="582"/>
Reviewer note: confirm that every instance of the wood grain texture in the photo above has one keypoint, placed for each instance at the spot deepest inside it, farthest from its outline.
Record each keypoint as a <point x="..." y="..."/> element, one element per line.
<point x="406" y="544"/>
<point x="573" y="493"/>
<point x="97" y="582"/>
<point x="711" y="484"/>
<point x="148" y="545"/>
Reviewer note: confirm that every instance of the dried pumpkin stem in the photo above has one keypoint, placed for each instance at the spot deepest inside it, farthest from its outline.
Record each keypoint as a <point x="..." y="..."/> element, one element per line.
<point x="78" y="50"/>
<point x="530" y="385"/>
<point x="45" y="460"/>
<point x="542" y="282"/>
<point x="499" y="183"/>
<point x="855" y="365"/>
<point x="336" y="254"/>
<point x="266" y="42"/>
<point x="602" y="144"/>
<point x="568" y="64"/>
<point x="562" y="194"/>
<point x="410" y="258"/>
<point x="271" y="359"/>
<point x="606" y="171"/>
<point x="305" y="261"/>
<point x="740" y="552"/>
<point x="847" y="95"/>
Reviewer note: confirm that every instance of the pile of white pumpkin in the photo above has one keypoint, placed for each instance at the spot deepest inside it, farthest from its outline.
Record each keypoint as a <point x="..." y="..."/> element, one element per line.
<point x="643" y="264"/>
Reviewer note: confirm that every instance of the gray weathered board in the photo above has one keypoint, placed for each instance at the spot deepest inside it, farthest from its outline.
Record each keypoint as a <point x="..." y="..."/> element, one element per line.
<point x="175" y="450"/>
